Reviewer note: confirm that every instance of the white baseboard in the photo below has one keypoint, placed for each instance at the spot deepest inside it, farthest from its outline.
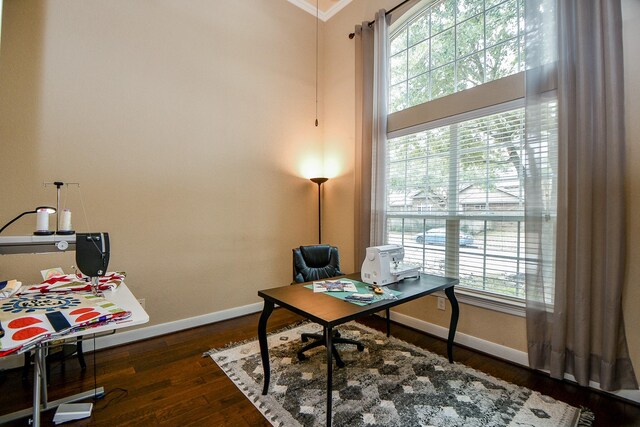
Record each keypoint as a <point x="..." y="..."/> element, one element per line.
<point x="496" y="350"/>
<point x="143" y="333"/>
<point x="490" y="348"/>
<point x="633" y="395"/>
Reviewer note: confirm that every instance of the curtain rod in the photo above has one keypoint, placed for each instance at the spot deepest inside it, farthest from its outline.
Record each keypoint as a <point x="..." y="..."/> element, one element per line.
<point x="352" y="35"/>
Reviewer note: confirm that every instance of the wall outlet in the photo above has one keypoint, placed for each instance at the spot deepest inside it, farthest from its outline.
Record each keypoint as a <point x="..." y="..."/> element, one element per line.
<point x="441" y="305"/>
<point x="142" y="302"/>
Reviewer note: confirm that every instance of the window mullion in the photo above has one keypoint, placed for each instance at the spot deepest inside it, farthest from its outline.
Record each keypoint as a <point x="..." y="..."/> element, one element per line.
<point x="452" y="255"/>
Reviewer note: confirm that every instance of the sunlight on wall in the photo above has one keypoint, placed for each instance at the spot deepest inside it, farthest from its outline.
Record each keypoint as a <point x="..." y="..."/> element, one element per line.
<point x="312" y="167"/>
<point x="332" y="166"/>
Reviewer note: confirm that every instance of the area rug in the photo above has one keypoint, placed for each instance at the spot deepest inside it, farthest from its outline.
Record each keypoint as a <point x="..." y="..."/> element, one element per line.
<point x="391" y="383"/>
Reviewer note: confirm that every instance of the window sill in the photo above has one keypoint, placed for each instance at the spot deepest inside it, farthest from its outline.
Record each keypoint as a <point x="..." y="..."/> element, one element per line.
<point x="512" y="306"/>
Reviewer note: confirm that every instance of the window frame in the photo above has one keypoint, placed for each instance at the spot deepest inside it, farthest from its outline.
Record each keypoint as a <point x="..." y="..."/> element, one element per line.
<point x="424" y="9"/>
<point x="476" y="297"/>
<point x="495" y="96"/>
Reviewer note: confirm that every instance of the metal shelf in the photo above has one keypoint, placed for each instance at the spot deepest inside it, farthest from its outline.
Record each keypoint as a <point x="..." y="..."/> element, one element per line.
<point x="37" y="244"/>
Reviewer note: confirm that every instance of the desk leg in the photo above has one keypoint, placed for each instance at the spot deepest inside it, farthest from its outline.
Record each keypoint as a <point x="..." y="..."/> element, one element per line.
<point x="388" y="313"/>
<point x="40" y="399"/>
<point x="453" y="324"/>
<point x="328" y="334"/>
<point x="264" y="346"/>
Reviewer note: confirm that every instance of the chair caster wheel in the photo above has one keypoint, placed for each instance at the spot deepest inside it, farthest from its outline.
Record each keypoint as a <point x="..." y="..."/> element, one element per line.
<point x="301" y="357"/>
<point x="340" y="364"/>
<point x="360" y="348"/>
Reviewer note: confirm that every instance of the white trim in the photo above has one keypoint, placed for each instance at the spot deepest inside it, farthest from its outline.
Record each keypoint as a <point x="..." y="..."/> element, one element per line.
<point x="126" y="337"/>
<point x="490" y="302"/>
<point x="459" y="118"/>
<point x="511" y="306"/>
<point x="336" y="8"/>
<point x="322" y="15"/>
<point x="496" y="350"/>
<point x="633" y="395"/>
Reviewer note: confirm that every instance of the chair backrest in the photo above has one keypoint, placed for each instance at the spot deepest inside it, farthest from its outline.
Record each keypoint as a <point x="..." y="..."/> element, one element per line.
<point x="315" y="262"/>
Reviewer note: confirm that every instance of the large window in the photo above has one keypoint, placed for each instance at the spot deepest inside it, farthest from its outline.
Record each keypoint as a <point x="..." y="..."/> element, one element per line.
<point x="454" y="45"/>
<point x="461" y="179"/>
<point x="455" y="184"/>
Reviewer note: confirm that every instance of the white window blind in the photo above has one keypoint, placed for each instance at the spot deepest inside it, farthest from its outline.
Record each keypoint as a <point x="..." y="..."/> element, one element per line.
<point x="455" y="197"/>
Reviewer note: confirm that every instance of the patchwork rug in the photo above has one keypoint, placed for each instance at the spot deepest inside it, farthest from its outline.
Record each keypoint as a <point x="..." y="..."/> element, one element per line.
<point x="391" y="383"/>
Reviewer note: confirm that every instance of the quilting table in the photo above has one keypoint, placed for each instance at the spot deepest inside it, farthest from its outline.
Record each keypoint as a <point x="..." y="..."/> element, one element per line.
<point x="122" y="297"/>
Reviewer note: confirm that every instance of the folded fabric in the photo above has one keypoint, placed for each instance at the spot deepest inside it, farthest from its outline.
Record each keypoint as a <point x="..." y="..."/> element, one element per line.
<point x="30" y="319"/>
<point x="9" y="288"/>
<point x="76" y="283"/>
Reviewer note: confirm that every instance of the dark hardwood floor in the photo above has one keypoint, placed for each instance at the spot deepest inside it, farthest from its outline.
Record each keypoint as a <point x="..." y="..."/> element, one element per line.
<point x="165" y="381"/>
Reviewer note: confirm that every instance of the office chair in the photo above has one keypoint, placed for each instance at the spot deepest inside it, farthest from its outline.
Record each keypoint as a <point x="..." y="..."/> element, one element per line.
<point x="319" y="262"/>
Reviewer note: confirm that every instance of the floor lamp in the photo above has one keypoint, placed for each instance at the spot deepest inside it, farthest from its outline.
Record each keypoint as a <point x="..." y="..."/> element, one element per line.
<point x="319" y="181"/>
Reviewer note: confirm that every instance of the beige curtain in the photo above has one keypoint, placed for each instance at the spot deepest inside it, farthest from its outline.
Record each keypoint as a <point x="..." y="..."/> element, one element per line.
<point x="371" y="132"/>
<point x="364" y="128"/>
<point x="580" y="330"/>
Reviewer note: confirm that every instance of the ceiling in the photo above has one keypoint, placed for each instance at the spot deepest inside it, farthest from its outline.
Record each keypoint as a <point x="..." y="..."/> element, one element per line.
<point x="326" y="8"/>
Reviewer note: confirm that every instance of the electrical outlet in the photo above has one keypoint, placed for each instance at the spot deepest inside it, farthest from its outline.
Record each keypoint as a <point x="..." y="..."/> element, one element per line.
<point x="441" y="305"/>
<point x="142" y="302"/>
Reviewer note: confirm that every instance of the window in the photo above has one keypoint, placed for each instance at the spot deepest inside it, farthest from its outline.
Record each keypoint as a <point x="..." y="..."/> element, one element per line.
<point x="452" y="45"/>
<point x="455" y="183"/>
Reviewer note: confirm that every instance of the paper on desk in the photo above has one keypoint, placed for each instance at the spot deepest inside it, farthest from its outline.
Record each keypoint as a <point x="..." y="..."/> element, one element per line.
<point x="334" y="286"/>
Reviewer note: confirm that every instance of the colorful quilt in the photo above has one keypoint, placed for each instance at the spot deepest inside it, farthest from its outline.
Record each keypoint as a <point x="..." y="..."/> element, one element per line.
<point x="76" y="283"/>
<point x="29" y="319"/>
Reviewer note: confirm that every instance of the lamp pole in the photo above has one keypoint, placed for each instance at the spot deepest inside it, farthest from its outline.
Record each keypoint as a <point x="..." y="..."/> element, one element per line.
<point x="319" y="181"/>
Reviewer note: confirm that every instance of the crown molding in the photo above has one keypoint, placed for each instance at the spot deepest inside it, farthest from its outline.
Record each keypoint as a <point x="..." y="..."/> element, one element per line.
<point x="322" y="15"/>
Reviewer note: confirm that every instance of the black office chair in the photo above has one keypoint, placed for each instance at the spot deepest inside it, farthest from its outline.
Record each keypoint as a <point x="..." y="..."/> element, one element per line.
<point x="319" y="262"/>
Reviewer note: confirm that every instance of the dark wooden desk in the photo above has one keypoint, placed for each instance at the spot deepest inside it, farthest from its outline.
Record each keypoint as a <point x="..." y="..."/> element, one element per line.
<point x="331" y="312"/>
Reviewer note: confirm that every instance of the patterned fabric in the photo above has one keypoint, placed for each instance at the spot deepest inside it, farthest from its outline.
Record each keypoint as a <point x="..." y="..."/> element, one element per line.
<point x="391" y="383"/>
<point x="76" y="283"/>
<point x="29" y="319"/>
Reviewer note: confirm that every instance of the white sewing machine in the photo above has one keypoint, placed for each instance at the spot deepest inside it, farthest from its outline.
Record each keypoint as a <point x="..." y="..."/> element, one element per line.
<point x="383" y="265"/>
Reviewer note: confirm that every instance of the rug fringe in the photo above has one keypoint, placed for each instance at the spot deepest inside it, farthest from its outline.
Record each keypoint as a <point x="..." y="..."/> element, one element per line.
<point x="586" y="418"/>
<point x="208" y="353"/>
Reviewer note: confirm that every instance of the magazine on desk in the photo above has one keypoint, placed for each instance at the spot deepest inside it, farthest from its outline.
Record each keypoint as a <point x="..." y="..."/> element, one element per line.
<point x="334" y="286"/>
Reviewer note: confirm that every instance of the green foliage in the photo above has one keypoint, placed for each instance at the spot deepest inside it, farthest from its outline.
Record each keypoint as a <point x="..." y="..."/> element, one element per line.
<point x="454" y="45"/>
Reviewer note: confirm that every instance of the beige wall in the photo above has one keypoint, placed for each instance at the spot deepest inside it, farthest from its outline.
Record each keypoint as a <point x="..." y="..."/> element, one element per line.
<point x="339" y="92"/>
<point x="186" y="124"/>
